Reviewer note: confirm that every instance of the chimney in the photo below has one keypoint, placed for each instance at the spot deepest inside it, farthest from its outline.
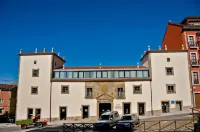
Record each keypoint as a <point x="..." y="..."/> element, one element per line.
<point x="36" y="50"/>
<point x="20" y="51"/>
<point x="148" y="47"/>
<point x="138" y="65"/>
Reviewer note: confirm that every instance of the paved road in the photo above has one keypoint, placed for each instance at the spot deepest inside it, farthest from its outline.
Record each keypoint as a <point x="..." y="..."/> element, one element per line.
<point x="60" y="129"/>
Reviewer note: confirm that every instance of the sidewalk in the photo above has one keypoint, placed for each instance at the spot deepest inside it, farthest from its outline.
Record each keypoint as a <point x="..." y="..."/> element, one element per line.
<point x="4" y="125"/>
<point x="58" y="123"/>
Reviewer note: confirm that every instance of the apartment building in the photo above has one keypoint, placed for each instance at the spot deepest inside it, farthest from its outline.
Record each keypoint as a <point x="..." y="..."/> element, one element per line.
<point x="186" y="35"/>
<point x="55" y="92"/>
<point x="8" y="98"/>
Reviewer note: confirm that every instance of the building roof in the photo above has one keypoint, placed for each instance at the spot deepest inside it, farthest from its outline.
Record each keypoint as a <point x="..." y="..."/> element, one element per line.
<point x="101" y="67"/>
<point x="162" y="51"/>
<point x="42" y="53"/>
<point x="189" y="17"/>
<point x="7" y="87"/>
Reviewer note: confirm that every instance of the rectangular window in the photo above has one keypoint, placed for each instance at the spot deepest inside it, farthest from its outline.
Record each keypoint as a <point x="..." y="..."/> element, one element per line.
<point x="81" y="75"/>
<point x="1" y="101"/>
<point x="195" y="77"/>
<point x="69" y="74"/>
<point x="104" y="74"/>
<point x="110" y="74"/>
<point x="145" y="74"/>
<point x="133" y="74"/>
<point x="191" y="41"/>
<point x="65" y="89"/>
<point x="89" y="92"/>
<point x="165" y="107"/>
<point x="179" y="105"/>
<point x="169" y="71"/>
<point x="86" y="74"/>
<point x="35" y="73"/>
<point x="139" y="74"/>
<point x="127" y="74"/>
<point x="171" y="88"/>
<point x="120" y="92"/>
<point x="93" y="74"/>
<point x="75" y="74"/>
<point x="98" y="74"/>
<point x="29" y="113"/>
<point x="121" y="74"/>
<point x="193" y="58"/>
<point x="116" y="74"/>
<point x="38" y="113"/>
<point x="56" y="74"/>
<point x="34" y="90"/>
<point x="137" y="89"/>
<point x="63" y="74"/>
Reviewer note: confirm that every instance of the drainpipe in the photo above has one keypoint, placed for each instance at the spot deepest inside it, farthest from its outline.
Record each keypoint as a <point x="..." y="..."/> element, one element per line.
<point x="151" y="99"/>
<point x="51" y="76"/>
<point x="50" y="101"/>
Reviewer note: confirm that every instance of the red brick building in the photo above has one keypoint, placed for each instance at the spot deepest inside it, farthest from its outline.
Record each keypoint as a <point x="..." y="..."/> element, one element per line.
<point x="8" y="98"/>
<point x="186" y="34"/>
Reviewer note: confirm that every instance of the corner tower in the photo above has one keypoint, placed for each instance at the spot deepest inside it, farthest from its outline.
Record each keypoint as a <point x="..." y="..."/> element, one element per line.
<point x="34" y="83"/>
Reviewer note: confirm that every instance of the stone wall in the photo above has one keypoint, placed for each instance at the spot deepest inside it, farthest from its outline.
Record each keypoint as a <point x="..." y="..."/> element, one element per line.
<point x="109" y="88"/>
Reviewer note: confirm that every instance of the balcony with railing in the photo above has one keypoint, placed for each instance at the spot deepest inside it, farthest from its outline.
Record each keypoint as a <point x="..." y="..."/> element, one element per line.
<point x="195" y="81"/>
<point x="193" y="45"/>
<point x="195" y="62"/>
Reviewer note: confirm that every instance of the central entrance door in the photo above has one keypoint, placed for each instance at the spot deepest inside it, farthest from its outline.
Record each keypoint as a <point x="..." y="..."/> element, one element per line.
<point x="103" y="107"/>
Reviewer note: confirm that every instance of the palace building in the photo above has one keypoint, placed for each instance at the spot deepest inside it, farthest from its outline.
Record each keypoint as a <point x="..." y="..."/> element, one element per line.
<point x="187" y="34"/>
<point x="161" y="85"/>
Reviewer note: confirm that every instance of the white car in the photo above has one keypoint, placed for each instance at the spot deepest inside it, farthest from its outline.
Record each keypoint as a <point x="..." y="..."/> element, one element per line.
<point x="107" y="120"/>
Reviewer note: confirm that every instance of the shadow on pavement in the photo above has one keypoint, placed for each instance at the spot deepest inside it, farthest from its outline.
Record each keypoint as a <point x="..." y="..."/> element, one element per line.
<point x="60" y="129"/>
<point x="48" y="129"/>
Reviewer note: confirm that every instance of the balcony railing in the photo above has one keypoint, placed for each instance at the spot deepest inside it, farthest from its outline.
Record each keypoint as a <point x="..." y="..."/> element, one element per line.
<point x="195" y="62"/>
<point x="192" y="44"/>
<point x="196" y="81"/>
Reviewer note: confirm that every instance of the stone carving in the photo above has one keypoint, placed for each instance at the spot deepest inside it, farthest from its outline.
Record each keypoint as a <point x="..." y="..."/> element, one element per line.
<point x="105" y="96"/>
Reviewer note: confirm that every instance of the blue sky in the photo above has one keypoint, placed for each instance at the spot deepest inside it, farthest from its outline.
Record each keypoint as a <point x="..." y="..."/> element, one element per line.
<point x="86" y="32"/>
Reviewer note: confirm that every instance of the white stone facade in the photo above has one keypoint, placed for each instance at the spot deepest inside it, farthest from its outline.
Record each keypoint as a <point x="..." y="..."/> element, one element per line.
<point x="49" y="97"/>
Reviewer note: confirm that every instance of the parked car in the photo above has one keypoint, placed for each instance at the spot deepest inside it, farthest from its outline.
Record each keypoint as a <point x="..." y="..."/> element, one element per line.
<point x="197" y="125"/>
<point x="127" y="122"/>
<point x="107" y="120"/>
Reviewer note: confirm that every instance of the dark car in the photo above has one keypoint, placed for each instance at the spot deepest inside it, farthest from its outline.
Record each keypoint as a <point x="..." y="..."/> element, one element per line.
<point x="127" y="122"/>
<point x="197" y="125"/>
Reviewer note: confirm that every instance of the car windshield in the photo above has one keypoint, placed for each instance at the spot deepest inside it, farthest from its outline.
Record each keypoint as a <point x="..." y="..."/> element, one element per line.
<point x="104" y="117"/>
<point x="125" y="118"/>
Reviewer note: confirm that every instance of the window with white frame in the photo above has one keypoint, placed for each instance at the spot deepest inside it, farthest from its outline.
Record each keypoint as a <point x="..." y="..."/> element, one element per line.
<point x="195" y="77"/>
<point x="191" y="40"/>
<point x="193" y="57"/>
<point x="1" y="101"/>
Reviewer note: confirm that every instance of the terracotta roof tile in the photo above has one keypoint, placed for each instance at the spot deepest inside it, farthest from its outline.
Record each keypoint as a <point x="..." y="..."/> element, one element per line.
<point x="7" y="87"/>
